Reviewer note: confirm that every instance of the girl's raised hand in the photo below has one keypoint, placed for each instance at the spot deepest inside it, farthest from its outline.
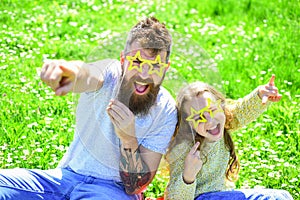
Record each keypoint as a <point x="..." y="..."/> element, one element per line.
<point x="192" y="164"/>
<point x="269" y="92"/>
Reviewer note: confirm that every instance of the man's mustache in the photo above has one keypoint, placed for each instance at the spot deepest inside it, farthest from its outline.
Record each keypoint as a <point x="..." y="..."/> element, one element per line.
<point x="148" y="80"/>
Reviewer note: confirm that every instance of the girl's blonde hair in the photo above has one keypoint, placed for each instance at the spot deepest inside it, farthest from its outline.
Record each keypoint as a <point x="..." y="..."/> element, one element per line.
<point x="183" y="129"/>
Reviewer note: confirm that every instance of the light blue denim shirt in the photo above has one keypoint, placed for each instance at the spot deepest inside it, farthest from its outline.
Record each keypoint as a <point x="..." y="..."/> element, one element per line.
<point x="95" y="148"/>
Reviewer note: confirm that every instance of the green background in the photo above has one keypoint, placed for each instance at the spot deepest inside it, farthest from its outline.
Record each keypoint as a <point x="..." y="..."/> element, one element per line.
<point x="248" y="40"/>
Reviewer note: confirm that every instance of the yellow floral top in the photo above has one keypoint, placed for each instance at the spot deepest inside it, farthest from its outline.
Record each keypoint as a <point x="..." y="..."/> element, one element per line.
<point x="212" y="175"/>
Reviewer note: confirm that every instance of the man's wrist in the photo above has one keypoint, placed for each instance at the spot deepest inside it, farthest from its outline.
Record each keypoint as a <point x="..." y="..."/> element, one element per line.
<point x="130" y="144"/>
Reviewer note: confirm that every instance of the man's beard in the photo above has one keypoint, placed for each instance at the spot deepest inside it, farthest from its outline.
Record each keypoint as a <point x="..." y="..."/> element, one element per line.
<point x="138" y="104"/>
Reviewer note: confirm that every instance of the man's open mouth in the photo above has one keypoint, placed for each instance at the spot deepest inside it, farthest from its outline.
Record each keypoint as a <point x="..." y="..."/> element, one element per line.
<point x="141" y="88"/>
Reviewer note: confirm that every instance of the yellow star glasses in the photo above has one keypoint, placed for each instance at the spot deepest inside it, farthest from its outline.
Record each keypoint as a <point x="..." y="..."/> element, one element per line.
<point x="155" y="66"/>
<point x="197" y="116"/>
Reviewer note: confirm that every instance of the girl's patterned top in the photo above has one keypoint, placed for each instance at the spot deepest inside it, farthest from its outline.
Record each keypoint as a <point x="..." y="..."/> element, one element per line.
<point x="212" y="175"/>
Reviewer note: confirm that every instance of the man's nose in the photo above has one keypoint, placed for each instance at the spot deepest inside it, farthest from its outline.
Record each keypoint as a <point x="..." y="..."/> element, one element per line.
<point x="145" y="71"/>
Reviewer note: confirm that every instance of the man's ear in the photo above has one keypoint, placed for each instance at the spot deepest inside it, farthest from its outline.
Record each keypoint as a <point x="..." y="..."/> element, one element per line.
<point x="122" y="57"/>
<point x="168" y="65"/>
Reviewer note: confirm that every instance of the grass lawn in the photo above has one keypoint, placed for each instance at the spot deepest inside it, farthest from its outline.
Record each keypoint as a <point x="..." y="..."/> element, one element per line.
<point x="246" y="40"/>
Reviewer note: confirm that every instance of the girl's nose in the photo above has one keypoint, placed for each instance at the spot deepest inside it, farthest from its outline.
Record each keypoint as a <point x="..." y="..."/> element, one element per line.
<point x="207" y="117"/>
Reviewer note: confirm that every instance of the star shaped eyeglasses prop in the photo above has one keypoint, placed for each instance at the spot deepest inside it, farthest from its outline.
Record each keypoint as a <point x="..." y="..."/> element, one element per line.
<point x="193" y="117"/>
<point x="156" y="66"/>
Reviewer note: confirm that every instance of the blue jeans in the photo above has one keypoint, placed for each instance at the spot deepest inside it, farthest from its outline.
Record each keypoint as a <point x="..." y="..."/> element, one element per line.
<point x="247" y="194"/>
<point x="58" y="184"/>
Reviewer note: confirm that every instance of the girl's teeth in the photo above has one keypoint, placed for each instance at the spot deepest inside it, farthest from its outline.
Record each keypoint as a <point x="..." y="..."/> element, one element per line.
<point x="214" y="131"/>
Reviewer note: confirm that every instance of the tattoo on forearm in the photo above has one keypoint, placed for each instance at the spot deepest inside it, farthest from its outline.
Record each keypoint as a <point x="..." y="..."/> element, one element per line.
<point x="134" y="172"/>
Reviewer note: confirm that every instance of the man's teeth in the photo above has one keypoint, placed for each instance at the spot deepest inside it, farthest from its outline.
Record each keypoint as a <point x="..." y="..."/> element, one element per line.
<point x="141" y="83"/>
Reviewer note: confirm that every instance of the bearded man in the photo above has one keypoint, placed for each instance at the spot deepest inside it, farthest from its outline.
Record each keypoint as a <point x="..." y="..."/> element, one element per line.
<point x="124" y="122"/>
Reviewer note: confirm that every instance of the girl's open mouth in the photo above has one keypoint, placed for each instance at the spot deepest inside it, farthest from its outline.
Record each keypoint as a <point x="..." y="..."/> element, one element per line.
<point x="214" y="131"/>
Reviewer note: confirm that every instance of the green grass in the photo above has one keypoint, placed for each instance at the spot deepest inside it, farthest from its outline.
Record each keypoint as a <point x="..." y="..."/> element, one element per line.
<point x="248" y="39"/>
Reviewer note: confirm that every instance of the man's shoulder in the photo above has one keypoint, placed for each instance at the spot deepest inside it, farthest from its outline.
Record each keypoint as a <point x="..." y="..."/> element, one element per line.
<point x="165" y="96"/>
<point x="165" y="103"/>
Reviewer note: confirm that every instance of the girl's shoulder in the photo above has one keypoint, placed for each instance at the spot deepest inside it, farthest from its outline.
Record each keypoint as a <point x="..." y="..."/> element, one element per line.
<point x="179" y="151"/>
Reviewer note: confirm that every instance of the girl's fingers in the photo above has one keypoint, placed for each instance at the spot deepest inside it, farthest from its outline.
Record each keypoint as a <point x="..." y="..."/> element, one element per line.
<point x="278" y="97"/>
<point x="271" y="91"/>
<point x="264" y="99"/>
<point x="194" y="148"/>
<point x="272" y="79"/>
<point x="197" y="154"/>
<point x="275" y="98"/>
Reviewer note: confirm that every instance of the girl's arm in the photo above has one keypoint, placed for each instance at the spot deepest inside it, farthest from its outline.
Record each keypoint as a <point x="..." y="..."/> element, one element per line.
<point x="245" y="110"/>
<point x="177" y="188"/>
<point x="250" y="107"/>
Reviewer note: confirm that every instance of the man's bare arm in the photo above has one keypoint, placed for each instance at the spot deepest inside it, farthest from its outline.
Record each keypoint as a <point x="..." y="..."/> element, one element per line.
<point x="138" y="168"/>
<point x="73" y="76"/>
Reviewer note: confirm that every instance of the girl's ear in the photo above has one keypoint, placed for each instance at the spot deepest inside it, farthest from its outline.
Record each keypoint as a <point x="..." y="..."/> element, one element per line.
<point x="122" y="57"/>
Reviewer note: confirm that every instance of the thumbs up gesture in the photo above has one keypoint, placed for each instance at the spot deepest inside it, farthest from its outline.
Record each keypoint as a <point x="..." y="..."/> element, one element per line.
<point x="269" y="92"/>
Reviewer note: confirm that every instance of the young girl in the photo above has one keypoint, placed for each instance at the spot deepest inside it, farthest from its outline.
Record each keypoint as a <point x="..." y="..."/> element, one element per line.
<point x="202" y="156"/>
